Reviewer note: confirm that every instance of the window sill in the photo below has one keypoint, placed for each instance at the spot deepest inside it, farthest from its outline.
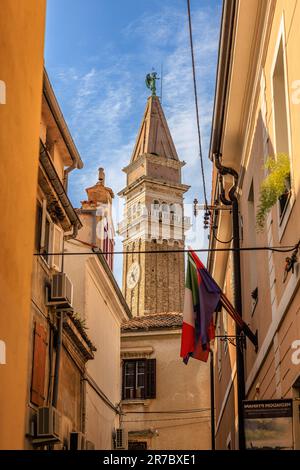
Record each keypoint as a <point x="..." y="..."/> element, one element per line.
<point x="137" y="401"/>
<point x="286" y="215"/>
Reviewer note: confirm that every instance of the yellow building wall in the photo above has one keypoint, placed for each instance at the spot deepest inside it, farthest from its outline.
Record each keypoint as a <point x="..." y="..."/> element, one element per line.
<point x="178" y="387"/>
<point x="97" y="303"/>
<point x="22" y="24"/>
<point x="270" y="373"/>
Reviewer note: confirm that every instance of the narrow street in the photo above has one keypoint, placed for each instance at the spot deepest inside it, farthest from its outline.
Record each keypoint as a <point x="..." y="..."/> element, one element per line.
<point x="150" y="232"/>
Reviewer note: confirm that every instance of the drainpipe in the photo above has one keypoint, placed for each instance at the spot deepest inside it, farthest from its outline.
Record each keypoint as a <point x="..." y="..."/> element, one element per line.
<point x="57" y="359"/>
<point x="237" y="290"/>
<point x="212" y="401"/>
<point x="66" y="174"/>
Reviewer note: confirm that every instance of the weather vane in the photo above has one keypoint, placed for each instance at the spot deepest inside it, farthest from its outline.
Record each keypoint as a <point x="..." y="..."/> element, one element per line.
<point x="151" y="82"/>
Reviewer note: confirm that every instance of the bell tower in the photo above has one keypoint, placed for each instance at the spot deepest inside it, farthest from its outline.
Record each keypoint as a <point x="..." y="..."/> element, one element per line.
<point x="153" y="219"/>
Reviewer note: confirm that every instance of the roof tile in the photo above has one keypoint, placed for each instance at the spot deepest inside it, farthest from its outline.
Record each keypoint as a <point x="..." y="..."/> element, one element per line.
<point x="153" y="322"/>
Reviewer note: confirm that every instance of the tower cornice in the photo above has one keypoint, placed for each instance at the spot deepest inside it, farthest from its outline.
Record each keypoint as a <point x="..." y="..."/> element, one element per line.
<point x="168" y="162"/>
<point x="146" y="179"/>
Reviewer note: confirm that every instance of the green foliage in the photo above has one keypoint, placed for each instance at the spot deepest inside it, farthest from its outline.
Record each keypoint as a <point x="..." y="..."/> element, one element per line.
<point x="77" y="318"/>
<point x="273" y="186"/>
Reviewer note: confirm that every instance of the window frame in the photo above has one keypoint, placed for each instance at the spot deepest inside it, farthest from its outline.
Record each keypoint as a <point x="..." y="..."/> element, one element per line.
<point x="148" y="381"/>
<point x="283" y="216"/>
<point x="134" y="396"/>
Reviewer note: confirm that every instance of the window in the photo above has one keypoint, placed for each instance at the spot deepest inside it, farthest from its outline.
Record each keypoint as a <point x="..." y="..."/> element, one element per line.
<point x="48" y="237"/>
<point x="57" y="246"/>
<point x="139" y="379"/>
<point x="137" y="445"/>
<point x="45" y="238"/>
<point x="38" y="226"/>
<point x="165" y="207"/>
<point x="281" y="118"/>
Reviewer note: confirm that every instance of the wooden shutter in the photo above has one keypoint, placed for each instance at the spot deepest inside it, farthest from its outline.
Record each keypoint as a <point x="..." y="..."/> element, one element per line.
<point x="123" y="381"/>
<point x="38" y="226"/>
<point x="57" y="247"/>
<point x="150" y="378"/>
<point x="39" y="365"/>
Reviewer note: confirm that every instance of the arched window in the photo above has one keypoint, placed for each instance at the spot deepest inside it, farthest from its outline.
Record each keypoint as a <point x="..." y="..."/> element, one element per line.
<point x="165" y="207"/>
<point x="156" y="204"/>
<point x="176" y="209"/>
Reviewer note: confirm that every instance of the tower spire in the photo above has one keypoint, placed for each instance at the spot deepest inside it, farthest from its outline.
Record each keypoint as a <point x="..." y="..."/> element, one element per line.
<point x="154" y="135"/>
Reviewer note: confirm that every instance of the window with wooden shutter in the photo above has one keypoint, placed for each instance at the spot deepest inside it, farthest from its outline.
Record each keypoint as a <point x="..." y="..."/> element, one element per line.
<point x="38" y="226"/>
<point x="57" y="247"/>
<point x="39" y="364"/>
<point x="139" y="379"/>
<point x="150" y="378"/>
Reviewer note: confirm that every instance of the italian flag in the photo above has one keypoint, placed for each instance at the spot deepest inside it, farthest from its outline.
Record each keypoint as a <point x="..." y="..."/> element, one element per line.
<point x="201" y="299"/>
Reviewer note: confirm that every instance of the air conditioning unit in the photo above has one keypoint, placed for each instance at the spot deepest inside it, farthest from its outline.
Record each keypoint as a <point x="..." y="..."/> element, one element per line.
<point x="89" y="445"/>
<point x="61" y="292"/>
<point x="48" y="422"/>
<point x="77" y="441"/>
<point x="120" y="439"/>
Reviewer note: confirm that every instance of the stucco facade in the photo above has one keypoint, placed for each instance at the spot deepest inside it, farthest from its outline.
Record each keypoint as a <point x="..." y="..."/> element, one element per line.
<point x="101" y="306"/>
<point x="178" y="387"/>
<point x="258" y="50"/>
<point x="58" y="344"/>
<point x="21" y="72"/>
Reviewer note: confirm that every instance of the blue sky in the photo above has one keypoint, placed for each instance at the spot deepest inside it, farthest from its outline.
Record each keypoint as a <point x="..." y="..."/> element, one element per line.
<point x="97" y="55"/>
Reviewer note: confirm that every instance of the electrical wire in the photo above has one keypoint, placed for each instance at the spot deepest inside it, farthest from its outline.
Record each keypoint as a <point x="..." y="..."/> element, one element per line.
<point x="164" y="419"/>
<point x="196" y="101"/>
<point x="278" y="249"/>
<point x="196" y="410"/>
<point x="172" y="426"/>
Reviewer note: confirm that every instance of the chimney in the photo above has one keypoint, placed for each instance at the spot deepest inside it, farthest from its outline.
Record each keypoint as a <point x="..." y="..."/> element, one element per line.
<point x="101" y="177"/>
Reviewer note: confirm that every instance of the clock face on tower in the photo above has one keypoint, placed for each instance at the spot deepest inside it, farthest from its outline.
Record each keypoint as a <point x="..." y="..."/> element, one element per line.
<point x="133" y="275"/>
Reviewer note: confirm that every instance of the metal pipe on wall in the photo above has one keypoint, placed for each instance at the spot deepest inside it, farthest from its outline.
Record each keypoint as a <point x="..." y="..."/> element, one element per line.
<point x="237" y="290"/>
<point x="57" y="359"/>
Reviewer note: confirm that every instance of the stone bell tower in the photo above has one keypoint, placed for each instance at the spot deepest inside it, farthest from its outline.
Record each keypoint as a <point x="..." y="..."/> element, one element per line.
<point x="153" y="219"/>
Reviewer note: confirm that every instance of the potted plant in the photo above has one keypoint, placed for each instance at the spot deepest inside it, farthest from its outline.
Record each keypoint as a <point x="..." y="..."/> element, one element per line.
<point x="276" y="186"/>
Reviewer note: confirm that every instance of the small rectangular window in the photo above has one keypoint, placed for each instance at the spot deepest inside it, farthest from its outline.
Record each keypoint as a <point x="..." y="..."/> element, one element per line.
<point x="139" y="379"/>
<point x="56" y="246"/>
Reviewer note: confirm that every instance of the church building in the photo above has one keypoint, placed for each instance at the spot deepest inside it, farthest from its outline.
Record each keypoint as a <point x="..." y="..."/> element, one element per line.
<point x="165" y="404"/>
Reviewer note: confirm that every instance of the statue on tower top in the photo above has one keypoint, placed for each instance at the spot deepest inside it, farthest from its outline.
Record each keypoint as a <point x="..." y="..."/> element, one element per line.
<point x="151" y="82"/>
